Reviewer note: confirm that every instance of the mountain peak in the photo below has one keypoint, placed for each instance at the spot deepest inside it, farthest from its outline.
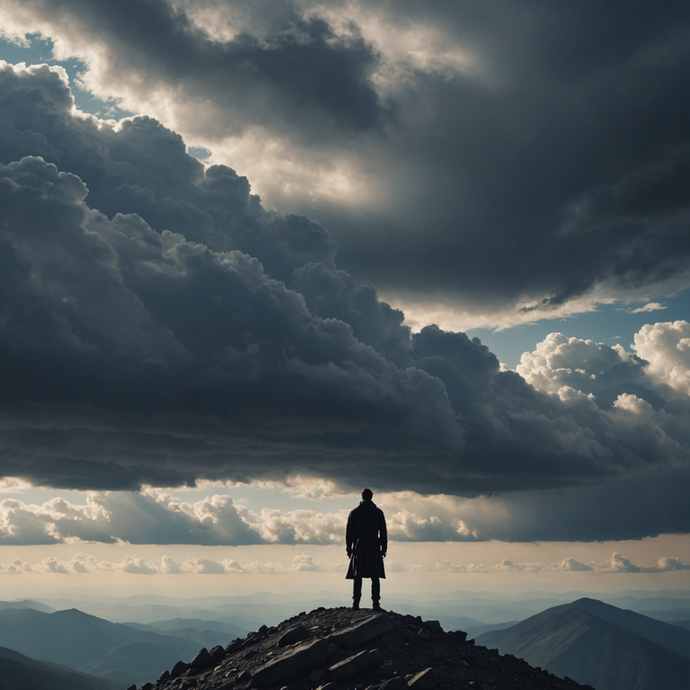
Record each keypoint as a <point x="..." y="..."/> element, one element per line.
<point x="611" y="648"/>
<point x="330" y="649"/>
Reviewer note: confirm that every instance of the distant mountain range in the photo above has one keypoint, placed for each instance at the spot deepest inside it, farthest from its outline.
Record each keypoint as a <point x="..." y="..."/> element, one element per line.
<point x="600" y="645"/>
<point x="108" y="650"/>
<point x="19" y="672"/>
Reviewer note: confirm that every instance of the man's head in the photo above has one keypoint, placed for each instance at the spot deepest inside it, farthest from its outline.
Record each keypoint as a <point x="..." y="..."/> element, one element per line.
<point x="367" y="494"/>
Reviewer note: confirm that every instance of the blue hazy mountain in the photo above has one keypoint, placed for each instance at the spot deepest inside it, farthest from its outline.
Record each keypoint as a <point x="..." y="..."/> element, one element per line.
<point x="93" y="645"/>
<point x="601" y="645"/>
<point x="27" y="604"/>
<point x="20" y="672"/>
<point x="204" y="633"/>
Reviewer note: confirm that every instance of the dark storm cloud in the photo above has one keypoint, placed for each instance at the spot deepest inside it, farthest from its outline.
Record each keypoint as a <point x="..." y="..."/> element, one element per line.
<point x="651" y="504"/>
<point x="163" y="345"/>
<point x="302" y="75"/>
<point x="552" y="167"/>
<point x="159" y="326"/>
<point x="555" y="168"/>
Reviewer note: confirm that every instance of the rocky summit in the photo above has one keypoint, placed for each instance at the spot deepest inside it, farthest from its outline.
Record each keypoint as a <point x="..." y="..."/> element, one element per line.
<point x="342" y="649"/>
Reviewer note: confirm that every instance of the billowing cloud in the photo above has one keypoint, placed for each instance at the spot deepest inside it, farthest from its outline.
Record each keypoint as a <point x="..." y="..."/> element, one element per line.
<point x="572" y="565"/>
<point x="17" y="566"/>
<point x="592" y="368"/>
<point x="666" y="346"/>
<point x="618" y="564"/>
<point x="136" y="518"/>
<point x="85" y="564"/>
<point x="159" y="326"/>
<point x="305" y="564"/>
<point x="442" y="136"/>
<point x="669" y="563"/>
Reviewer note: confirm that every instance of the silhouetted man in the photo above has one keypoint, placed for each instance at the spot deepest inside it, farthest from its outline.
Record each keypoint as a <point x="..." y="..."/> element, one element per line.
<point x="366" y="541"/>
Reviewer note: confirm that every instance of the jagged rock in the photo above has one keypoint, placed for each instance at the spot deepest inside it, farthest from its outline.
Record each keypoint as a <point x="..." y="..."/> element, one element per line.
<point x="178" y="669"/>
<point x="216" y="655"/>
<point x="355" y="664"/>
<point x="362" y="632"/>
<point x="294" y="635"/>
<point x="234" y="646"/>
<point x="434" y="626"/>
<point x="201" y="659"/>
<point x="306" y="656"/>
<point x="424" y="680"/>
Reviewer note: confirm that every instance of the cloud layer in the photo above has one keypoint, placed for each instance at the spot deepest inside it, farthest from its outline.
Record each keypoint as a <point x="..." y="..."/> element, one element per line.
<point x="83" y="564"/>
<point x="510" y="158"/>
<point x="159" y="326"/>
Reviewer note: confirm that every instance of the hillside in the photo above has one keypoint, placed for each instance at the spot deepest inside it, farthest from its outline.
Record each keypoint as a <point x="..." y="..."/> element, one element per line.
<point x="331" y="649"/>
<point x="200" y="632"/>
<point x="599" y="644"/>
<point x="90" y="644"/>
<point x="19" y="672"/>
<point x="26" y="604"/>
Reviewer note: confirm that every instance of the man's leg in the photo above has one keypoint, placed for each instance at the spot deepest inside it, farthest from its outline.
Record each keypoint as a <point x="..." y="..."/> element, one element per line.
<point x="356" y="592"/>
<point x="375" y="591"/>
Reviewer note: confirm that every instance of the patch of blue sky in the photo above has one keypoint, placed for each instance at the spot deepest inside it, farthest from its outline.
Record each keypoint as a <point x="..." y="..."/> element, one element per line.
<point x="610" y="324"/>
<point x="40" y="51"/>
<point x="198" y="152"/>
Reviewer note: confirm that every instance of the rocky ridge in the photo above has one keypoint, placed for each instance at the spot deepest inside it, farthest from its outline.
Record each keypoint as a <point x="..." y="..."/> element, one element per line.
<point x="342" y="649"/>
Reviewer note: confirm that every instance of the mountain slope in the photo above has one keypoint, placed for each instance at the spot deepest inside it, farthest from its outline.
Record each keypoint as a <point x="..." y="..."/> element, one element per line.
<point x="85" y="643"/>
<point x="663" y="634"/>
<point x="572" y="641"/>
<point x="21" y="672"/>
<point x="26" y="604"/>
<point x="200" y="632"/>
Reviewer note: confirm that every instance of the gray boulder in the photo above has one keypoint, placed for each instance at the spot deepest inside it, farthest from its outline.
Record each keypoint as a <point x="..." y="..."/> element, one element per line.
<point x="294" y="635"/>
<point x="201" y="659"/>
<point x="362" y="632"/>
<point x="355" y="664"/>
<point x="295" y="661"/>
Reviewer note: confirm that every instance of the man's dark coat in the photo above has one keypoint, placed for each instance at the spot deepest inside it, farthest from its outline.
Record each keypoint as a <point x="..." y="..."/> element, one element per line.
<point x="367" y="539"/>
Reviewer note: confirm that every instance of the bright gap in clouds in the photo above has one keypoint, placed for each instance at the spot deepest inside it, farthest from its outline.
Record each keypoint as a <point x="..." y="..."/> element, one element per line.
<point x="38" y="50"/>
<point x="610" y="324"/>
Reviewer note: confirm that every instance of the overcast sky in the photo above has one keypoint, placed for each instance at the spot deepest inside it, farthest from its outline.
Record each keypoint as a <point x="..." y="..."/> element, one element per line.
<point x="257" y="255"/>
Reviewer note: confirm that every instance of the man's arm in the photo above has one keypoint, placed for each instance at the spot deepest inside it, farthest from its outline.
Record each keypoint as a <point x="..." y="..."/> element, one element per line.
<point x="383" y="535"/>
<point x="349" y="535"/>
